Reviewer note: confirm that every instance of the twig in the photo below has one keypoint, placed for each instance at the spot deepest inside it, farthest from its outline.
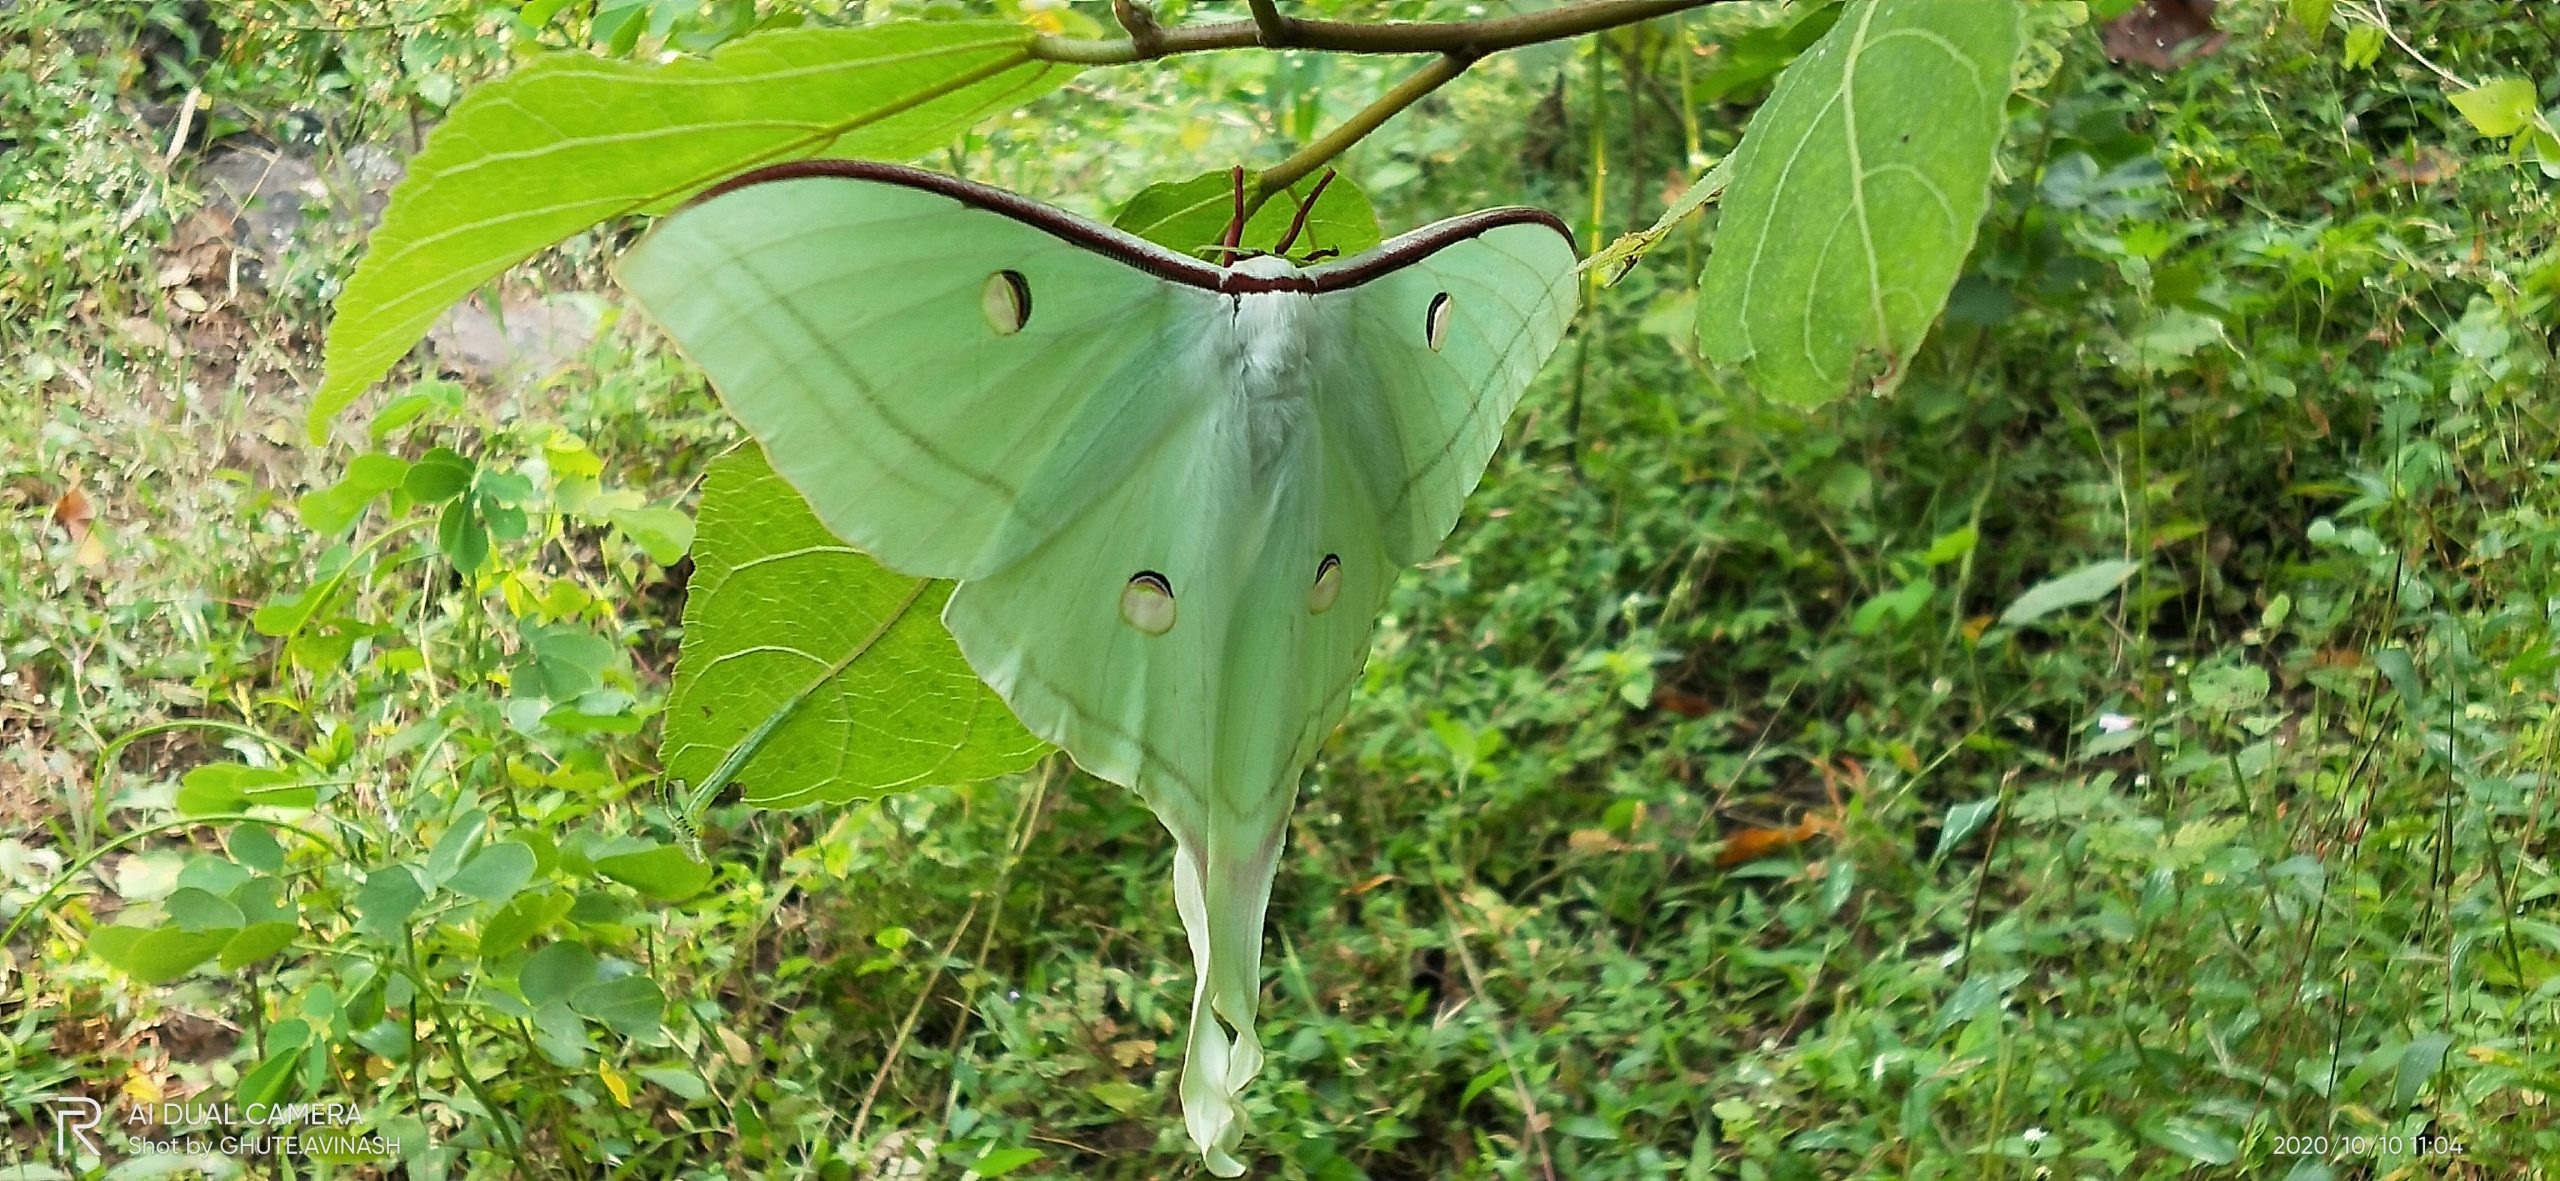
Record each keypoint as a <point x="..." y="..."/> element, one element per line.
<point x="1233" y="241"/>
<point x="1144" y="33"/>
<point x="2381" y="20"/>
<point x="1277" y="31"/>
<point x="1298" y="224"/>
<point x="907" y="1027"/>
<point x="1982" y="877"/>
<point x="1026" y="826"/>
<point x="1460" y="44"/>
<point x="1475" y="38"/>
<point x="186" y="124"/>
<point x="1316" y="155"/>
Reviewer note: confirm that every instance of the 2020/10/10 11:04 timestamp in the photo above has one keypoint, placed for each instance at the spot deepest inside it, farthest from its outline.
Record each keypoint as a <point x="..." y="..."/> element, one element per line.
<point x="2363" y="1145"/>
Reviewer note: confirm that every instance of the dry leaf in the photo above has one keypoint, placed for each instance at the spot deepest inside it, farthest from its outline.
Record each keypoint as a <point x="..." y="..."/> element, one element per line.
<point x="736" y="1048"/>
<point x="1687" y="705"/>
<point x="2423" y="165"/>
<point x="145" y="334"/>
<point x="72" y="511"/>
<point x="1752" y="844"/>
<point x="1133" y="1052"/>
<point x="1592" y="840"/>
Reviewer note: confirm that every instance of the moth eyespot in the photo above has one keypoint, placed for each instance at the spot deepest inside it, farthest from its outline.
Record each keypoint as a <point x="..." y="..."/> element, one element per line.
<point x="1147" y="603"/>
<point x="1327" y="587"/>
<point x="1435" y="322"/>
<point x="1007" y="302"/>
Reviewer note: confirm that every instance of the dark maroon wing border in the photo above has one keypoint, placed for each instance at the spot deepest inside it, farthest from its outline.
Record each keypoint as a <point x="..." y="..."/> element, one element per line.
<point x="1138" y="252"/>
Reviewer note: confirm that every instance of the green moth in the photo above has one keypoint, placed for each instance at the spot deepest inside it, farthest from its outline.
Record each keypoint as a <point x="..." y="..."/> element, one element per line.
<point x="1174" y="493"/>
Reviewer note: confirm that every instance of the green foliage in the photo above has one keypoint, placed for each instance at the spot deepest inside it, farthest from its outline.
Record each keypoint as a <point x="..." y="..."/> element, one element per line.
<point x="838" y="668"/>
<point x="1855" y="196"/>
<point x="599" y="140"/>
<point x="2088" y="584"/>
<point x="2510" y="109"/>
<point x="1193" y="215"/>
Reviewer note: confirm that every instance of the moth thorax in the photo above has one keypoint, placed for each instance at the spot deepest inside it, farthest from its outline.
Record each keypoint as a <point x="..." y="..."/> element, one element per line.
<point x="1268" y="348"/>
<point x="1272" y="332"/>
<point x="1267" y="266"/>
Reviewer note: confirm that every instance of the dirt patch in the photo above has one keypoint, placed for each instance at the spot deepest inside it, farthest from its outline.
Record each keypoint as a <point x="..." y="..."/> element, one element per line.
<point x="276" y="199"/>
<point x="24" y="801"/>
<point x="528" y="338"/>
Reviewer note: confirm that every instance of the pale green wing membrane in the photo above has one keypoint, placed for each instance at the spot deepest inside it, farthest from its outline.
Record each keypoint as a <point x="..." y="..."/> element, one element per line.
<point x="1176" y="494"/>
<point x="946" y="386"/>
<point x="1438" y="352"/>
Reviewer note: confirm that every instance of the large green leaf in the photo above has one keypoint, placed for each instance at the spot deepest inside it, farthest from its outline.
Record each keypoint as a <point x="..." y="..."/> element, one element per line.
<point x="662" y="872"/>
<point x="2087" y="584"/>
<point x="1855" y="197"/>
<point x="571" y="140"/>
<point x="1191" y="215"/>
<point x="156" y="955"/>
<point x="783" y="618"/>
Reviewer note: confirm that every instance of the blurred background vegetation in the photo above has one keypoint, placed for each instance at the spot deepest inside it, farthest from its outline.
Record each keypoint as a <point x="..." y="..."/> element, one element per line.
<point x="1694" y="820"/>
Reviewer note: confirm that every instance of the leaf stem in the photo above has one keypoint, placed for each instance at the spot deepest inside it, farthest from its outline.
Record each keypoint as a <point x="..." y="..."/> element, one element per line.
<point x="1280" y="176"/>
<point x="1269" y="29"/>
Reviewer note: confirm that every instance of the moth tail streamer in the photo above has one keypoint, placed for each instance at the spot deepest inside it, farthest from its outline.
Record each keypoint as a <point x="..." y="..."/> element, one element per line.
<point x="1222" y="892"/>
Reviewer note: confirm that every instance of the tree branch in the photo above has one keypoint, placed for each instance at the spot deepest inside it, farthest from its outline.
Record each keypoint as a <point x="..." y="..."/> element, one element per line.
<point x="1271" y="30"/>
<point x="1144" y="33"/>
<point x="1277" y="31"/>
<point x="1459" y="44"/>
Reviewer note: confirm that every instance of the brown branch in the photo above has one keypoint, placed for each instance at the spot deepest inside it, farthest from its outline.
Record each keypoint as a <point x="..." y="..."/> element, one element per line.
<point x="1459" y="44"/>
<point x="1272" y="30"/>
<point x="1144" y="33"/>
<point x="1278" y="32"/>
